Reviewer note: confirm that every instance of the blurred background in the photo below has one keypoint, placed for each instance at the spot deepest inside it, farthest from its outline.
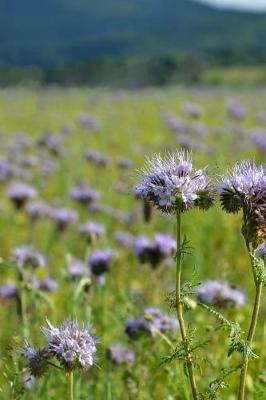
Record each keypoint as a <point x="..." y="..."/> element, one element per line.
<point x="132" y="43"/>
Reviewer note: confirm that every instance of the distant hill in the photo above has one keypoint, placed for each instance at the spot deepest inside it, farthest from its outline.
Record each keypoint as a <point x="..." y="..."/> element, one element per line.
<point x="53" y="31"/>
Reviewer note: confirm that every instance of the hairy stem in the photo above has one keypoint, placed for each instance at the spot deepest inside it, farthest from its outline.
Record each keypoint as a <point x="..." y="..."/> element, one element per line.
<point x="70" y="384"/>
<point x="251" y="332"/>
<point x="179" y="308"/>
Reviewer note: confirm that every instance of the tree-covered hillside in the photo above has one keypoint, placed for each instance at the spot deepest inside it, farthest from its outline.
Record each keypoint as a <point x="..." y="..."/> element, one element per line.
<point x="54" y="31"/>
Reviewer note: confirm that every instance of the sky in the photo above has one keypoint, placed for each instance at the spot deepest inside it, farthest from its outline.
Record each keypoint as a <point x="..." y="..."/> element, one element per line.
<point x="257" y="5"/>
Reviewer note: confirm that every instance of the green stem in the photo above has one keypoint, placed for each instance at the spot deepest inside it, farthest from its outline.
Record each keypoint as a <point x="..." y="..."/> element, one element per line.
<point x="23" y="304"/>
<point x="70" y="383"/>
<point x="179" y="308"/>
<point x="251" y="332"/>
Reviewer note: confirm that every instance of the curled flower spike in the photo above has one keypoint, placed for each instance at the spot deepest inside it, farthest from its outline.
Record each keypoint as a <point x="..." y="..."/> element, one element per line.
<point x="173" y="184"/>
<point x="71" y="344"/>
<point x="245" y="188"/>
<point x="38" y="360"/>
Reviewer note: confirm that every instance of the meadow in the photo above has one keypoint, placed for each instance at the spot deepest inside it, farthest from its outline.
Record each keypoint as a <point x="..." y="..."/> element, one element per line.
<point x="58" y="139"/>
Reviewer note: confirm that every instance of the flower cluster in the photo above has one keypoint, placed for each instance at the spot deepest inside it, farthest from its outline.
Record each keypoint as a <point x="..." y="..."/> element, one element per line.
<point x="155" y="252"/>
<point x="220" y="293"/>
<point x="173" y="184"/>
<point x="245" y="188"/>
<point x="72" y="345"/>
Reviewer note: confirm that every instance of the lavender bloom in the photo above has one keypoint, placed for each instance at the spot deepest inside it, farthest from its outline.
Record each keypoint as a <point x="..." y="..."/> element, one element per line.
<point x="166" y="244"/>
<point x="27" y="256"/>
<point x="160" y="321"/>
<point x="174" y="124"/>
<point x="53" y="143"/>
<point x="236" y="110"/>
<point x="63" y="217"/>
<point x="92" y="231"/>
<point x="84" y="194"/>
<point x="47" y="284"/>
<point x="77" y="269"/>
<point x="5" y="170"/>
<point x="89" y="122"/>
<point x="37" y="210"/>
<point x="135" y="327"/>
<point x="37" y="360"/>
<point x="245" y="187"/>
<point x="120" y="354"/>
<point x="124" y="163"/>
<point x="193" y="110"/>
<point x="71" y="344"/>
<point x="153" y="319"/>
<point x="100" y="261"/>
<point x="261" y="116"/>
<point x="126" y="239"/>
<point x="174" y="184"/>
<point x="259" y="138"/>
<point x="19" y="193"/>
<point x="220" y="293"/>
<point x="97" y="158"/>
<point x="8" y="291"/>
<point x="155" y="252"/>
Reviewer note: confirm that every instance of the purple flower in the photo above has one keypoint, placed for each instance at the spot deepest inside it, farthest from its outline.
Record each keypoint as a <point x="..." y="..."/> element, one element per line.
<point x="126" y="239"/>
<point x="261" y="251"/>
<point x="38" y="210"/>
<point x="124" y="163"/>
<point x="245" y="188"/>
<point x="154" y="252"/>
<point x="47" y="284"/>
<point x="38" y="360"/>
<point x="173" y="183"/>
<point x="88" y="121"/>
<point x="8" y="291"/>
<point x="72" y="344"/>
<point x="236" y="110"/>
<point x="193" y="110"/>
<point x="27" y="256"/>
<point x="97" y="158"/>
<point x="92" y="231"/>
<point x="160" y="321"/>
<point x="120" y="354"/>
<point x="259" y="138"/>
<point x="77" y="269"/>
<point x="63" y="217"/>
<point x="84" y="194"/>
<point x="135" y="327"/>
<point x="100" y="261"/>
<point x="53" y="143"/>
<point x="166" y="244"/>
<point x="5" y="170"/>
<point x="19" y="193"/>
<point x="220" y="293"/>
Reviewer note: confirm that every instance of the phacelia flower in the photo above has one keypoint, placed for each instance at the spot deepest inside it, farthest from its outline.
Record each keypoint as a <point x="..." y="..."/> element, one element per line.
<point x="154" y="252"/>
<point x="19" y="193"/>
<point x="63" y="217"/>
<point x="100" y="261"/>
<point x="220" y="293"/>
<point x="37" y="360"/>
<point x="120" y="354"/>
<point x="71" y="344"/>
<point x="173" y="184"/>
<point x="92" y="231"/>
<point x="27" y="256"/>
<point x="84" y="194"/>
<point x="245" y="188"/>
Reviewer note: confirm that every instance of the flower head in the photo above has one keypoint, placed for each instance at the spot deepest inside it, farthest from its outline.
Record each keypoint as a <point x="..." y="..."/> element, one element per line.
<point x="37" y="360"/>
<point x="100" y="261"/>
<point x="220" y="293"/>
<point x="173" y="183"/>
<point x="245" y="188"/>
<point x="71" y="344"/>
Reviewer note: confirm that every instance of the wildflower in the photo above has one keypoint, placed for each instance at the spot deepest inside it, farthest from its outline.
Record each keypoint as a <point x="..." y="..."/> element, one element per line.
<point x="88" y="121"/>
<point x="173" y="184"/>
<point x="37" y="360"/>
<point x="71" y="344"/>
<point x="97" y="158"/>
<point x="245" y="188"/>
<point x="193" y="110"/>
<point x="120" y="354"/>
<point x="259" y="138"/>
<point x="47" y="285"/>
<point x="126" y="239"/>
<point x="28" y="256"/>
<point x="92" y="231"/>
<point x="100" y="261"/>
<point x="220" y="293"/>
<point x="77" y="269"/>
<point x="8" y="291"/>
<point x="84" y="194"/>
<point x="37" y="210"/>
<point x="160" y="321"/>
<point x="19" y="193"/>
<point x="63" y="217"/>
<point x="157" y="251"/>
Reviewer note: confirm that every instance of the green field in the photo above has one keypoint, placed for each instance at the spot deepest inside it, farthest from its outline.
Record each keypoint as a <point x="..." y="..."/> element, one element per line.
<point x="132" y="125"/>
